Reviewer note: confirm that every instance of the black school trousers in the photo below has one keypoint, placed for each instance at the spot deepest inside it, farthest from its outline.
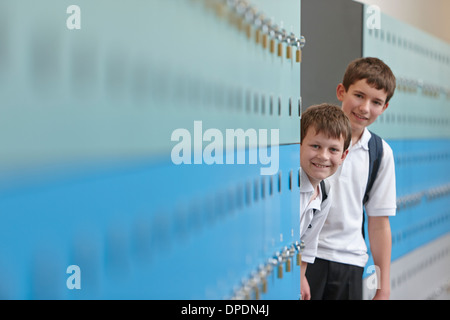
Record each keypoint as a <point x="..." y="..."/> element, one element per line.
<point x="330" y="280"/>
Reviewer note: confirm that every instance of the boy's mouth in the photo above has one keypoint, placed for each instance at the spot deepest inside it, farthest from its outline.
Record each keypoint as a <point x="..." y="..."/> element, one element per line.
<point x="320" y="165"/>
<point x="360" y="117"/>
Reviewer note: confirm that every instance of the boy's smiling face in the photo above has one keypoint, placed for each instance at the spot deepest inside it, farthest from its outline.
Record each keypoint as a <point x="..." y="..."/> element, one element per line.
<point x="320" y="155"/>
<point x="362" y="104"/>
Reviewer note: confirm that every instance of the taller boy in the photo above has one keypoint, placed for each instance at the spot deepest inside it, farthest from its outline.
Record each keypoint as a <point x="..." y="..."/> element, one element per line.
<point x="337" y="272"/>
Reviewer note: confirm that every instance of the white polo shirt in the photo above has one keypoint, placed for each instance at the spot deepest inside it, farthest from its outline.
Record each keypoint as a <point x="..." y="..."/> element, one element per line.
<point x="341" y="237"/>
<point x="312" y="216"/>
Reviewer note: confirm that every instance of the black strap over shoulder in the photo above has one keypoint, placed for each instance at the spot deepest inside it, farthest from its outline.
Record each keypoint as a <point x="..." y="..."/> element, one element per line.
<point x="324" y="191"/>
<point x="375" y="156"/>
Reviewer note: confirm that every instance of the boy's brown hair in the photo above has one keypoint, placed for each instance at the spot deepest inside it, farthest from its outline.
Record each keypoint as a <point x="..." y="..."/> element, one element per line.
<point x="375" y="71"/>
<point x="327" y="118"/>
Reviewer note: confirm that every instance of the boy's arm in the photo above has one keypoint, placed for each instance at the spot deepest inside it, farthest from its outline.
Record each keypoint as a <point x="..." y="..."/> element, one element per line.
<point x="304" y="286"/>
<point x="381" y="205"/>
<point x="381" y="244"/>
<point x="311" y="237"/>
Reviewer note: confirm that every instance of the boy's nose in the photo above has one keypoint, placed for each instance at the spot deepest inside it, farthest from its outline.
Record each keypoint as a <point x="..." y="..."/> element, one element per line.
<point x="364" y="106"/>
<point x="323" y="154"/>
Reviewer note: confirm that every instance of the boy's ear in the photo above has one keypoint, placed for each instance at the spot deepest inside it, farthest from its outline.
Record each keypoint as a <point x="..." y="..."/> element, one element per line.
<point x="340" y="92"/>
<point x="385" y="106"/>
<point x="344" y="155"/>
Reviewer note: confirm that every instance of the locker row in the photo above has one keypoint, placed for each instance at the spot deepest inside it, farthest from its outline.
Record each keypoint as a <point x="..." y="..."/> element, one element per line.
<point x="401" y="41"/>
<point x="256" y="24"/>
<point x="413" y="270"/>
<point x="263" y="279"/>
<point x="406" y="85"/>
<point x="413" y="119"/>
<point x="421" y="158"/>
<point x="418" y="110"/>
<point x="411" y="228"/>
<point x="182" y="91"/>
<point x="421" y="165"/>
<point x="135" y="224"/>
<point x="419" y="228"/>
<point x="147" y="85"/>
<point x="90" y="62"/>
<point x="205" y="211"/>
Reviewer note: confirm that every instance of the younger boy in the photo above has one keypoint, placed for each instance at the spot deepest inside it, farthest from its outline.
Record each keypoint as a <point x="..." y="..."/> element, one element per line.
<point x="365" y="91"/>
<point x="325" y="137"/>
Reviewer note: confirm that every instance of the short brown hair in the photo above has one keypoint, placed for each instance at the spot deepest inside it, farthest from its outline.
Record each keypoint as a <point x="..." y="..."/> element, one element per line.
<point x="375" y="71"/>
<point x="327" y="118"/>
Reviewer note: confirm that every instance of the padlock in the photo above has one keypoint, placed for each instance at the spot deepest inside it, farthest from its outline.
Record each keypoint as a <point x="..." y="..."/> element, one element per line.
<point x="256" y="292"/>
<point x="264" y="41"/>
<point x="280" y="271"/>
<point x="281" y="37"/>
<point x="278" y="262"/>
<point x="264" y="285"/>
<point x="299" y="248"/>
<point x="287" y="258"/>
<point x="272" y="46"/>
<point x="257" y="36"/>
<point x="272" y="35"/>
<point x="288" y="52"/>
<point x="288" y="265"/>
<point x="219" y="9"/>
<point x="265" y="28"/>
<point x="248" y="31"/>
<point x="298" y="55"/>
<point x="289" y="42"/>
<point x="300" y="44"/>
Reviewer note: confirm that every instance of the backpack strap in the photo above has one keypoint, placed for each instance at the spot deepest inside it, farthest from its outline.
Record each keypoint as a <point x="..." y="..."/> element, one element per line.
<point x="324" y="191"/>
<point x="375" y="156"/>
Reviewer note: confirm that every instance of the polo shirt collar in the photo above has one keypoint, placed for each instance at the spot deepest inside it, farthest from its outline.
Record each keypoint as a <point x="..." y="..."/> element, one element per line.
<point x="364" y="141"/>
<point x="306" y="187"/>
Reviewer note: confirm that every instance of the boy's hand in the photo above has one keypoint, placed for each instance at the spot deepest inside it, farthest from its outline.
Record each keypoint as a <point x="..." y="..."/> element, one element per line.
<point x="381" y="295"/>
<point x="304" y="289"/>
